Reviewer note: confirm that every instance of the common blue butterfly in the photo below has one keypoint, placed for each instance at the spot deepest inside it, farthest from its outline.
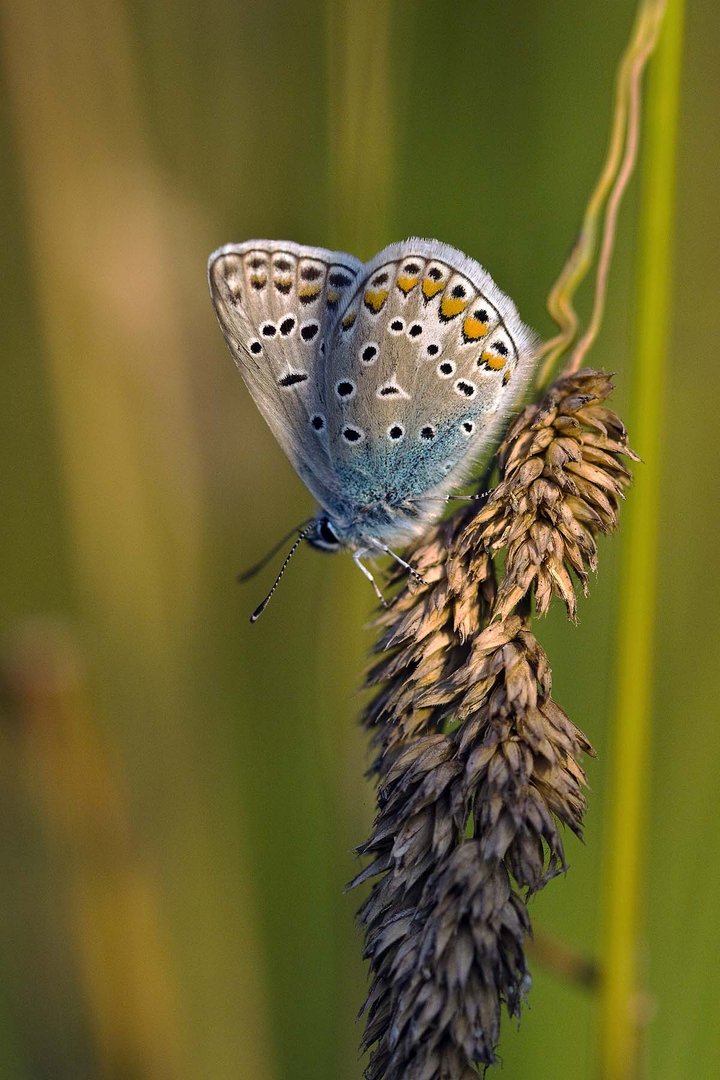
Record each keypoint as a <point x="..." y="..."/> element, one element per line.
<point x="384" y="382"/>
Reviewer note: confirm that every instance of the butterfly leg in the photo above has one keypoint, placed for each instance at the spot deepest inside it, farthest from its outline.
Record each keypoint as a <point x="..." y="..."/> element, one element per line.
<point x="397" y="558"/>
<point x="452" y="498"/>
<point x="361" y="566"/>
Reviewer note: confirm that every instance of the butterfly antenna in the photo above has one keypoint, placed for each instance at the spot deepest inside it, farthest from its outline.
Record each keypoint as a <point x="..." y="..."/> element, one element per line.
<point x="247" y="574"/>
<point x="261" y="607"/>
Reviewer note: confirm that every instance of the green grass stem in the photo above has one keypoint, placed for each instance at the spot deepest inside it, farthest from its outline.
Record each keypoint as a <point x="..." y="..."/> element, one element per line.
<point x="621" y="999"/>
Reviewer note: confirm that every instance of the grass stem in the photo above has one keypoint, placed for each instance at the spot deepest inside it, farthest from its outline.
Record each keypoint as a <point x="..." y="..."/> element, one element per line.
<point x="620" y="1021"/>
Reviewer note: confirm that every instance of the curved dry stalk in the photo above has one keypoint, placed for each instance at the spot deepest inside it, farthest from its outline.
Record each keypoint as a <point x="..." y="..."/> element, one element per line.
<point x="619" y="167"/>
<point x="627" y="168"/>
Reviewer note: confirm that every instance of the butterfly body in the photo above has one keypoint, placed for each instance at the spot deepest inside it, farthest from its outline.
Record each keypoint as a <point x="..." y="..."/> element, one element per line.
<point x="385" y="383"/>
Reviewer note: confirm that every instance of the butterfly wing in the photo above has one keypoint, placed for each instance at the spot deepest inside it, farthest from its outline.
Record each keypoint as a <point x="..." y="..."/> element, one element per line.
<point x="277" y="303"/>
<point x="427" y="359"/>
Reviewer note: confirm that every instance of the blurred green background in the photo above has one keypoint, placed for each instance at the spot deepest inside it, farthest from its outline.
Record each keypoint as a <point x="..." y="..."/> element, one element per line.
<point x="181" y="793"/>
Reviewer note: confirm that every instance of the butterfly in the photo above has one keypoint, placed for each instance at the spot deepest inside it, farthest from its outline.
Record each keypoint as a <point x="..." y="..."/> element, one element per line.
<point x="385" y="382"/>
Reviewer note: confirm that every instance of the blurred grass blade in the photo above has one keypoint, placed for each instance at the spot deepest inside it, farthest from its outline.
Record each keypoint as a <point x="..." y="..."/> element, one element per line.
<point x="106" y="892"/>
<point x="619" y="1024"/>
<point x="110" y="249"/>
<point x="361" y="142"/>
<point x="100" y="238"/>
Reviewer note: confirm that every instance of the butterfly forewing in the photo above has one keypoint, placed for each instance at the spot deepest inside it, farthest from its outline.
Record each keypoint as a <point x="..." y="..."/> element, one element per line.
<point x="426" y="361"/>
<point x="277" y="304"/>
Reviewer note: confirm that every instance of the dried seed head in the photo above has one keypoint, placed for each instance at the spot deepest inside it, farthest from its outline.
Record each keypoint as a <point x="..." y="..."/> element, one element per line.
<point x="562" y="479"/>
<point x="477" y="766"/>
<point x="508" y="774"/>
<point x="451" y="962"/>
<point x="426" y="634"/>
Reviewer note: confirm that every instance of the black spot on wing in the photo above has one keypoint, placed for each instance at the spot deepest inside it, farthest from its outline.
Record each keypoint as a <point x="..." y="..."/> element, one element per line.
<point x="293" y="378"/>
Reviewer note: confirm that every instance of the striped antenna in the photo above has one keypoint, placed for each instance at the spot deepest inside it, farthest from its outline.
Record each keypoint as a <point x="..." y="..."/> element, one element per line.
<point x="302" y="535"/>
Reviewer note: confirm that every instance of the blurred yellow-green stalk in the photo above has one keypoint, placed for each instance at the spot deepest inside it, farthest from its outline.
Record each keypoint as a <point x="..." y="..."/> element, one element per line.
<point x="182" y="793"/>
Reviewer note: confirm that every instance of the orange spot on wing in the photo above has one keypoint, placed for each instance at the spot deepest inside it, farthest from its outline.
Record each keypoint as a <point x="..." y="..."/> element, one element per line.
<point x="283" y="283"/>
<point x="473" y="328"/>
<point x="506" y="377"/>
<point x="375" y="299"/>
<point x="309" y="292"/>
<point x="333" y="296"/>
<point x="493" y="361"/>
<point x="406" y="284"/>
<point x="450" y="306"/>
<point x="349" y="319"/>
<point x="431" y="288"/>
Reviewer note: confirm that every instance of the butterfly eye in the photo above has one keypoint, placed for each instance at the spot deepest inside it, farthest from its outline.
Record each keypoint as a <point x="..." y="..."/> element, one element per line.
<point x="427" y="432"/>
<point x="415" y="330"/>
<point x="468" y="427"/>
<point x="317" y="422"/>
<point x="446" y="369"/>
<point x="268" y="329"/>
<point x="433" y="350"/>
<point x="327" y="534"/>
<point x="396" y="326"/>
<point x="369" y="353"/>
<point x="396" y="432"/>
<point x="287" y="326"/>
<point x="255" y="347"/>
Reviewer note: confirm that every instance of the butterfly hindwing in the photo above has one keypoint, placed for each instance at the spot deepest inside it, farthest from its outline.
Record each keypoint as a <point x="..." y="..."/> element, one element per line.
<point x="425" y="362"/>
<point x="277" y="303"/>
